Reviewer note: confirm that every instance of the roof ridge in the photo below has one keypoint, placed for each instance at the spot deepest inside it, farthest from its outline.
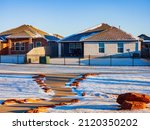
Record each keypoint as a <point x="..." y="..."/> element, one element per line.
<point x="111" y="33"/>
<point x="32" y="30"/>
<point x="13" y="29"/>
<point x="94" y="27"/>
<point x="7" y="30"/>
<point x="38" y="30"/>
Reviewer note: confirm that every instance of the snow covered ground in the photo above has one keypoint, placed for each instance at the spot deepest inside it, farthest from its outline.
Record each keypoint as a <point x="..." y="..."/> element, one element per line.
<point x="135" y="77"/>
<point x="57" y="69"/>
<point x="19" y="86"/>
<point x="105" y="84"/>
<point x="102" y="92"/>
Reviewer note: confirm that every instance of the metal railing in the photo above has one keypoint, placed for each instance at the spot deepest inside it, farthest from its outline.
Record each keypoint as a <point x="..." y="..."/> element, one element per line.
<point x="90" y="60"/>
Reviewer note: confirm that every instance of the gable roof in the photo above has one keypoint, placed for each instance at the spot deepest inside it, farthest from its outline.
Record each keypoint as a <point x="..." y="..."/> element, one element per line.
<point x="144" y="37"/>
<point x="111" y="34"/>
<point x="26" y="31"/>
<point x="22" y="28"/>
<point x="102" y="32"/>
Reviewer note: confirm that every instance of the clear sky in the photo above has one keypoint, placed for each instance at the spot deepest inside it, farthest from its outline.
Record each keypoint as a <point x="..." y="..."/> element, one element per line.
<point x="66" y="17"/>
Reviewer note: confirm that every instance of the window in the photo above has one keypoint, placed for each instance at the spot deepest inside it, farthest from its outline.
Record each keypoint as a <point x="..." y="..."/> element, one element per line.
<point x="101" y="48"/>
<point x="38" y="44"/>
<point x="31" y="45"/>
<point x="74" y="47"/>
<point x="120" y="47"/>
<point x="78" y="46"/>
<point x="22" y="46"/>
<point x="17" y="46"/>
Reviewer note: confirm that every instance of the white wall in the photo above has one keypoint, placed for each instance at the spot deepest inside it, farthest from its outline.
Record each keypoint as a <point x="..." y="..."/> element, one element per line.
<point x="111" y="48"/>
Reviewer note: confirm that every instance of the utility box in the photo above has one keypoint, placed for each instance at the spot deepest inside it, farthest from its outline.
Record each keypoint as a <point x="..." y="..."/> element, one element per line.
<point x="44" y="59"/>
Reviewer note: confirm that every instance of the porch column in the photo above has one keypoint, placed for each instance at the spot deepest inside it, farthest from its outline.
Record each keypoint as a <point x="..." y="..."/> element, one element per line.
<point x="59" y="49"/>
<point x="149" y="49"/>
<point x="9" y="46"/>
<point x="139" y="47"/>
<point x="0" y="45"/>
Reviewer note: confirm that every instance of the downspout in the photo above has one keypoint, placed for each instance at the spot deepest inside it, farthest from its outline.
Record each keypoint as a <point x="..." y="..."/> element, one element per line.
<point x="59" y="49"/>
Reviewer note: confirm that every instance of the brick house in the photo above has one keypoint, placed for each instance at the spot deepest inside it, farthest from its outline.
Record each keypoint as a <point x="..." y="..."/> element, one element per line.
<point x="102" y="40"/>
<point x="25" y="38"/>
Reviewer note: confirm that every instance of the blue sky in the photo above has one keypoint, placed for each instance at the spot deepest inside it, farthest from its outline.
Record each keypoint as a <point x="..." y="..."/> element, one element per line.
<point x="66" y="17"/>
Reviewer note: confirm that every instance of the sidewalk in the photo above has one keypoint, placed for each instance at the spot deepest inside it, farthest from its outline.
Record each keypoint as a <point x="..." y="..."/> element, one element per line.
<point x="57" y="83"/>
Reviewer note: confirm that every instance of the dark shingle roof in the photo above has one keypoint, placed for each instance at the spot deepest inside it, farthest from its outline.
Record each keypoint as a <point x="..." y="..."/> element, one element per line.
<point x="102" y="32"/>
<point x="78" y="37"/>
<point x="3" y="37"/>
<point x="144" y="37"/>
<point x="111" y="34"/>
<point x="51" y="38"/>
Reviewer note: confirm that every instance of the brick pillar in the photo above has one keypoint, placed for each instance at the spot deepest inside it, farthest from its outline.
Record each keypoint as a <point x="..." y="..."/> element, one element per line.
<point x="30" y="44"/>
<point x="0" y="45"/>
<point x="9" y="46"/>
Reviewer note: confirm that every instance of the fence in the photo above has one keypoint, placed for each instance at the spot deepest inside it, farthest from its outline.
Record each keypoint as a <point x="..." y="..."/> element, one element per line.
<point x="17" y="59"/>
<point x="86" y="61"/>
<point x="101" y="61"/>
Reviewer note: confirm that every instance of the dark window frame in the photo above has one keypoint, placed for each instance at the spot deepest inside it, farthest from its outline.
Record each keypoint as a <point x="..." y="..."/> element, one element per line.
<point x="38" y="42"/>
<point x="73" y="46"/>
<point x="101" y="47"/>
<point x="120" y="47"/>
<point x="18" y="46"/>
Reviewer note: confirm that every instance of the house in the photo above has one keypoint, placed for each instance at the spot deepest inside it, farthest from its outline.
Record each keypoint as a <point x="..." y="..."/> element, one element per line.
<point x="102" y="40"/>
<point x="145" y="46"/>
<point x="28" y="40"/>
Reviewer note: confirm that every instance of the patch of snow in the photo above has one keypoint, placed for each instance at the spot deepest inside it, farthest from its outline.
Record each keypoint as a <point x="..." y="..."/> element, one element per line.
<point x="63" y="39"/>
<point x="90" y="104"/>
<point x="91" y="28"/>
<point x="105" y="84"/>
<point x="94" y="105"/>
<point x="102" y="91"/>
<point x="91" y="34"/>
<point x="20" y="86"/>
<point x="147" y="41"/>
